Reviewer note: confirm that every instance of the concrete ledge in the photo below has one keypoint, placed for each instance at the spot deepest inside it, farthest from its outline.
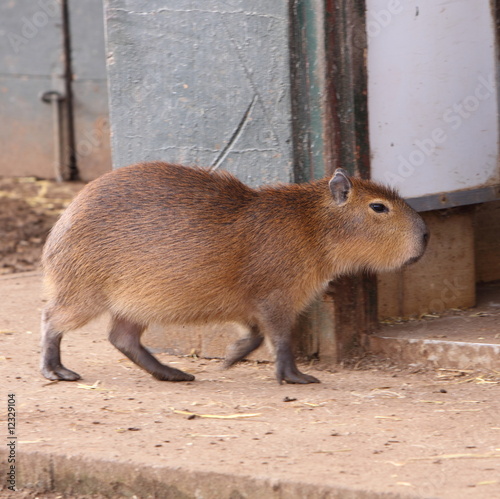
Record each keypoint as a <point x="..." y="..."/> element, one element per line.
<point x="437" y="353"/>
<point x="77" y="475"/>
<point x="208" y="341"/>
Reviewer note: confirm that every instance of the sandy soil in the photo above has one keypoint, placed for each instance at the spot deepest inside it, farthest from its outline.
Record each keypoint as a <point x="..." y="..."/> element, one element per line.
<point x="28" y="209"/>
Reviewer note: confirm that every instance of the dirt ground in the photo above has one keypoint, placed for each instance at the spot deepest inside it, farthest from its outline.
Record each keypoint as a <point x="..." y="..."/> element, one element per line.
<point x="374" y="426"/>
<point x="28" y="209"/>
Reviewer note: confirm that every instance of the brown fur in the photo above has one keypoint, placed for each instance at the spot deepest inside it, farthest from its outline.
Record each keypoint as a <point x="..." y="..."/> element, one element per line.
<point x="161" y="243"/>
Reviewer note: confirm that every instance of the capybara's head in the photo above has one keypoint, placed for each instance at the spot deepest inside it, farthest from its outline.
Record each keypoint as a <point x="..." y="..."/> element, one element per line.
<point x="381" y="230"/>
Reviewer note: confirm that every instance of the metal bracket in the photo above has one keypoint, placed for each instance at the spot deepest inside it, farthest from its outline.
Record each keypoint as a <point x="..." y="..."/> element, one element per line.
<point x="51" y="96"/>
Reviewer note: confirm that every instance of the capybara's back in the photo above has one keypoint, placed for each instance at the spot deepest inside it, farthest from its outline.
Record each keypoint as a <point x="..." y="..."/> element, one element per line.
<point x="162" y="243"/>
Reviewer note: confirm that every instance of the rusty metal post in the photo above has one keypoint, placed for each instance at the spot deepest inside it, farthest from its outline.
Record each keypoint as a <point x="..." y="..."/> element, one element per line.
<point x="330" y="109"/>
<point x="352" y="300"/>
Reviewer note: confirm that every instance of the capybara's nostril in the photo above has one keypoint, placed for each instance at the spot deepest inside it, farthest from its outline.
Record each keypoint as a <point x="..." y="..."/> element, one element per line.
<point x="426" y="237"/>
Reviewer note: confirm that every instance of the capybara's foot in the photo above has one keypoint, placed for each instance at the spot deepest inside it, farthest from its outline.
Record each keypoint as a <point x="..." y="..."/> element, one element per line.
<point x="59" y="373"/>
<point x="299" y="378"/>
<point x="171" y="374"/>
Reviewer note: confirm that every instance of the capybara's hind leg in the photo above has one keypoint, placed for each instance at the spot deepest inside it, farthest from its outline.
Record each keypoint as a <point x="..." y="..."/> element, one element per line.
<point x="126" y="336"/>
<point x="243" y="347"/>
<point x="50" y="365"/>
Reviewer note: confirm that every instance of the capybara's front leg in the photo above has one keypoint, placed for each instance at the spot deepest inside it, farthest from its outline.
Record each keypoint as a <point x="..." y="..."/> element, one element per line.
<point x="276" y="323"/>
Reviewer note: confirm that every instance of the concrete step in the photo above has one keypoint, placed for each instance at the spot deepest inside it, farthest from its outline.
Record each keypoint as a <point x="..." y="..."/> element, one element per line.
<point x="459" y="339"/>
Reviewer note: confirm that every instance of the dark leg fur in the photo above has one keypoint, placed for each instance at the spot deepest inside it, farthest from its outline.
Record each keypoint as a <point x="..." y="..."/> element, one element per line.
<point x="243" y="347"/>
<point x="286" y="369"/>
<point x="51" y="366"/>
<point x="275" y="323"/>
<point x="126" y="337"/>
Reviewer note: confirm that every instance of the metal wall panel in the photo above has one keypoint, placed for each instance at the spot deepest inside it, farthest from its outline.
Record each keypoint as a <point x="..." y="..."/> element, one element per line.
<point x="203" y="83"/>
<point x="31" y="62"/>
<point x="433" y="96"/>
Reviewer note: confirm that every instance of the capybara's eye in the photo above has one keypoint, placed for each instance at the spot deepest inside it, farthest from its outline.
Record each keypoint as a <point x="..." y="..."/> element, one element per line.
<point x="379" y="207"/>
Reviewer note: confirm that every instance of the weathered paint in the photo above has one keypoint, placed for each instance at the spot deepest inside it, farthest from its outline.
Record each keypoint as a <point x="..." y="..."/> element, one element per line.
<point x="201" y="83"/>
<point x="308" y="88"/>
<point x="347" y="84"/>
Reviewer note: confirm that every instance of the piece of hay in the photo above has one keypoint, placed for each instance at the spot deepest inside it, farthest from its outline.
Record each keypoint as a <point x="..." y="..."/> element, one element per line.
<point x="215" y="416"/>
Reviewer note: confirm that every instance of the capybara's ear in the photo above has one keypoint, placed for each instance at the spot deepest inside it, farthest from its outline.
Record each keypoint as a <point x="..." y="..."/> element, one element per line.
<point x="340" y="186"/>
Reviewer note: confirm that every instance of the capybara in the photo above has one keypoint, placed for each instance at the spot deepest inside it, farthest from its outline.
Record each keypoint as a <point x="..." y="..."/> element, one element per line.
<point x="168" y="244"/>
